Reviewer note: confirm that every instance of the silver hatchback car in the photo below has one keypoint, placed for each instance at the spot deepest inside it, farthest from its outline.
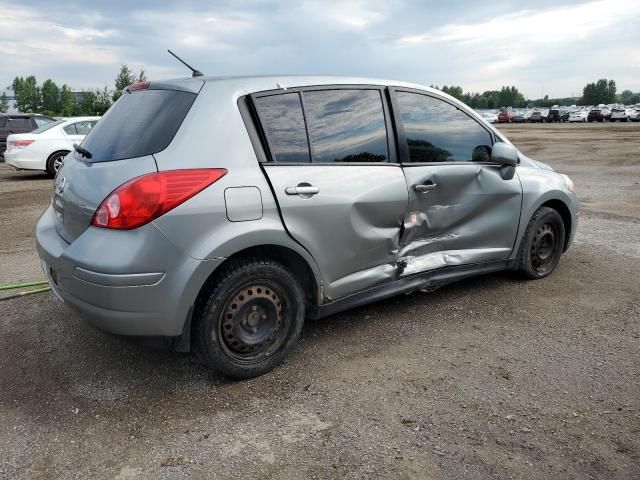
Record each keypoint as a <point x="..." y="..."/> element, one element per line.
<point x="222" y="212"/>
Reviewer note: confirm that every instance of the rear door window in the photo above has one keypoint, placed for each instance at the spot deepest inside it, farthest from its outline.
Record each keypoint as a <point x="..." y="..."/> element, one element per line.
<point x="140" y="123"/>
<point x="283" y="124"/>
<point x="346" y="125"/>
<point x="437" y="131"/>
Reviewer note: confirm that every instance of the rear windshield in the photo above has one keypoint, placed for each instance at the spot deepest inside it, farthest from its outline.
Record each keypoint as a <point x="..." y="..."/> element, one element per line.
<point x="140" y="123"/>
<point x="48" y="126"/>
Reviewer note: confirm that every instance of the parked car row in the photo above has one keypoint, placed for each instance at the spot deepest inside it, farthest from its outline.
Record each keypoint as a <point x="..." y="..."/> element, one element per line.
<point x="45" y="147"/>
<point x="19" y="123"/>
<point x="556" y="114"/>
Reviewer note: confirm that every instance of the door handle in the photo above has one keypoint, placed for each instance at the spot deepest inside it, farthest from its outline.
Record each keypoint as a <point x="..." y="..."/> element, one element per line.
<point x="302" y="190"/>
<point x="424" y="187"/>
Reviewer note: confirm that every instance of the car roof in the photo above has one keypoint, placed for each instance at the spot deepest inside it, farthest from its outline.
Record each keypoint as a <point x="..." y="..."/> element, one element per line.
<point x="18" y="114"/>
<point x="256" y="83"/>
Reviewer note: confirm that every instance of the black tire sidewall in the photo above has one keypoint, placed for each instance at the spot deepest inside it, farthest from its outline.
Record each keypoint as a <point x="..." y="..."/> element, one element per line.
<point x="542" y="216"/>
<point x="207" y="344"/>
<point x="50" y="169"/>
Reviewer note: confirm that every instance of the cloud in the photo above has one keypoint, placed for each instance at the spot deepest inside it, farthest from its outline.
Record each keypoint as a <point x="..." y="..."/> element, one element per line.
<point x="558" y="45"/>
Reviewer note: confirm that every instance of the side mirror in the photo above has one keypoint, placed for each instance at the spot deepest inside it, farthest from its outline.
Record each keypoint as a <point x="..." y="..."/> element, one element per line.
<point x="504" y="154"/>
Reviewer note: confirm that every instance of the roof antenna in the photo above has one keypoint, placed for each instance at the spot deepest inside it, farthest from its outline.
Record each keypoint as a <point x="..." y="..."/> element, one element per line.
<point x="195" y="73"/>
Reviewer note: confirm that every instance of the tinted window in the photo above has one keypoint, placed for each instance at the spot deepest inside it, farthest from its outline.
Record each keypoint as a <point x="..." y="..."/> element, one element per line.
<point x="3" y="121"/>
<point x="42" y="121"/>
<point x="19" y="122"/>
<point x="70" y="129"/>
<point x="346" y="126"/>
<point x="140" y="123"/>
<point x="283" y="124"/>
<point x="437" y="131"/>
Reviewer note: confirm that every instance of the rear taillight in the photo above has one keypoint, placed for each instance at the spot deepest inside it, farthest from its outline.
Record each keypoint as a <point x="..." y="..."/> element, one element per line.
<point x="11" y="144"/>
<point x="143" y="199"/>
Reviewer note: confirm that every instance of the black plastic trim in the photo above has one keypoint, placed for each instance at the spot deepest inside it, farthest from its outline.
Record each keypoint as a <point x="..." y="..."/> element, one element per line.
<point x="430" y="280"/>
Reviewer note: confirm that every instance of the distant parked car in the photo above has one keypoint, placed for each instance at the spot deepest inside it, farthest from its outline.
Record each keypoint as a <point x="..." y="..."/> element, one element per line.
<point x="19" y="123"/>
<point x="505" y="116"/>
<point x="596" y="115"/>
<point x="578" y="116"/>
<point x="520" y="118"/>
<point x="621" y="114"/>
<point x="45" y="148"/>
<point x="536" y="117"/>
<point x="490" y="117"/>
<point x="557" y="115"/>
<point x="635" y="116"/>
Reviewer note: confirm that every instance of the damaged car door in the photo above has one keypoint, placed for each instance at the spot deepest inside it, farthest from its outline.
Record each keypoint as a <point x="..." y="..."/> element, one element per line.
<point x="461" y="209"/>
<point x="339" y="187"/>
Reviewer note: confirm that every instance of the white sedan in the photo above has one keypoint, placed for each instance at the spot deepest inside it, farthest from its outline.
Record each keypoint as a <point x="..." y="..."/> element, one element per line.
<point x="45" y="148"/>
<point x="578" y="116"/>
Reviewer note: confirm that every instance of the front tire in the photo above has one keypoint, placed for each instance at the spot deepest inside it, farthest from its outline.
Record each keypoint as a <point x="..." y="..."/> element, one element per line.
<point x="248" y="319"/>
<point x="542" y="244"/>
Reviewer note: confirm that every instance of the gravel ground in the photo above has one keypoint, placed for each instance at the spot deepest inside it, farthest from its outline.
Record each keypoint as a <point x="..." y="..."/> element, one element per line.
<point x="491" y="377"/>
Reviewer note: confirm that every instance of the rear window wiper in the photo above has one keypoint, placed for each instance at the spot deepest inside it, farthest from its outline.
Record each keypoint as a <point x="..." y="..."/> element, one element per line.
<point x="82" y="151"/>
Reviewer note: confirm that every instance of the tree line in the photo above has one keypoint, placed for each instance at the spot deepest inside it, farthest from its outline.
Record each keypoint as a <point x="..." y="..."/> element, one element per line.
<point x="602" y="91"/>
<point x="50" y="99"/>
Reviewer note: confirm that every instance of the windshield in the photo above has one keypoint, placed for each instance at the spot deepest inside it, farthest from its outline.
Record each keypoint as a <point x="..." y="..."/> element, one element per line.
<point x="49" y="125"/>
<point x="140" y="123"/>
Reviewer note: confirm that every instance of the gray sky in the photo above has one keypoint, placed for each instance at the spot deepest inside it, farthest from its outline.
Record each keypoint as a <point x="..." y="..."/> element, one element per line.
<point x="543" y="45"/>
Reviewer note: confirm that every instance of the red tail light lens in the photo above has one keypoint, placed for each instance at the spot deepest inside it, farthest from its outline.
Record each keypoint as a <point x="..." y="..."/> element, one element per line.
<point x="143" y="199"/>
<point x="19" y="143"/>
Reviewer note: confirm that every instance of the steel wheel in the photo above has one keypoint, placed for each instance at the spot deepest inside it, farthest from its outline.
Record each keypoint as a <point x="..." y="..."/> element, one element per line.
<point x="542" y="244"/>
<point x="254" y="322"/>
<point x="248" y="318"/>
<point x="543" y="248"/>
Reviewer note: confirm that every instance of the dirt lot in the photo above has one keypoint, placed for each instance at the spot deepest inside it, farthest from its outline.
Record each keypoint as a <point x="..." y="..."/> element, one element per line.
<point x="488" y="378"/>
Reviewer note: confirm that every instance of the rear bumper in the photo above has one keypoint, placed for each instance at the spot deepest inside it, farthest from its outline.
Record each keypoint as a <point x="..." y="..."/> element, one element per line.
<point x="140" y="285"/>
<point x="24" y="160"/>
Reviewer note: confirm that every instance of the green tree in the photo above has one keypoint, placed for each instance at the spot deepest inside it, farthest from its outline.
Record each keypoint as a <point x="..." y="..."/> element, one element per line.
<point x="626" y="96"/>
<point x="4" y="103"/>
<point x="28" y="94"/>
<point x="50" y="98"/>
<point x="86" y="106"/>
<point x="482" y="102"/>
<point x="454" y="91"/>
<point x="102" y="101"/>
<point x="602" y="91"/>
<point x="67" y="101"/>
<point x="124" y="79"/>
<point x="511" y="97"/>
<point x="142" y="77"/>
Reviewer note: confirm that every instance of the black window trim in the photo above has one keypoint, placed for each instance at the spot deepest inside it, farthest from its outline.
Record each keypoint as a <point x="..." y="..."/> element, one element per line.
<point x="403" y="147"/>
<point x="265" y="156"/>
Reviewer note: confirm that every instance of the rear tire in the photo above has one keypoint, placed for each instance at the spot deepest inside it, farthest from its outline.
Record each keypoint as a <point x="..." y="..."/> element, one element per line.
<point x="542" y="244"/>
<point x="54" y="162"/>
<point x="248" y="319"/>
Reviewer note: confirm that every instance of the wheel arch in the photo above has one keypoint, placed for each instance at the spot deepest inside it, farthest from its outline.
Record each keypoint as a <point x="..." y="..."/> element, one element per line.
<point x="563" y="209"/>
<point x="282" y="254"/>
<point x="56" y="151"/>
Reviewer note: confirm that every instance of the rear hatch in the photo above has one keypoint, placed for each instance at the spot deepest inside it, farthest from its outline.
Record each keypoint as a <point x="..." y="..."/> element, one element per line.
<point x="141" y="123"/>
